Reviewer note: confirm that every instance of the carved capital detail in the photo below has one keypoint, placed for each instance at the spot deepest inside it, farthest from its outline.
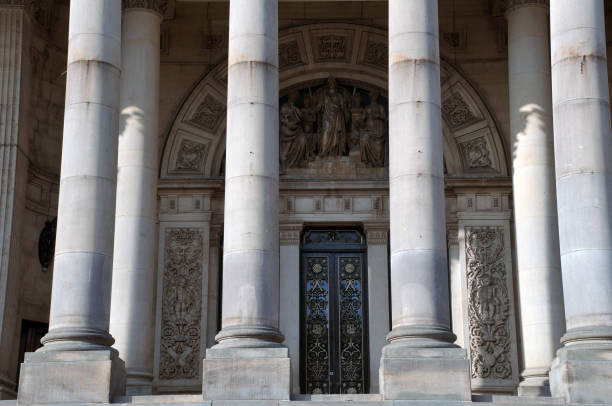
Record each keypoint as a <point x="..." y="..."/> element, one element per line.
<point x="290" y="234"/>
<point x="158" y="6"/>
<point x="377" y="234"/>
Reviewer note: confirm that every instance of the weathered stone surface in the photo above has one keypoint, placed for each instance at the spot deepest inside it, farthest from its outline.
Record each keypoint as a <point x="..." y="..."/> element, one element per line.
<point x="71" y="377"/>
<point x="425" y="373"/>
<point x="582" y="373"/>
<point x="246" y="373"/>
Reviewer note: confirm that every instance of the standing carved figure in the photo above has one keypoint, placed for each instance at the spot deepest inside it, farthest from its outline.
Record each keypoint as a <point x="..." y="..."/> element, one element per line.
<point x="357" y="120"/>
<point x="293" y="142"/>
<point x="331" y="103"/>
<point x="372" y="142"/>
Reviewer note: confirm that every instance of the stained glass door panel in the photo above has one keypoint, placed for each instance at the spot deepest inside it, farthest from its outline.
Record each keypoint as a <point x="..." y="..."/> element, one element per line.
<point x="334" y="331"/>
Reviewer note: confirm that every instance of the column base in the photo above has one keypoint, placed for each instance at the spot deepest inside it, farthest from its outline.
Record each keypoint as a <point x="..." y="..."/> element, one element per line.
<point x="138" y="383"/>
<point x="71" y="377"/>
<point x="538" y="385"/>
<point x="582" y="373"/>
<point x="246" y="374"/>
<point x="409" y="373"/>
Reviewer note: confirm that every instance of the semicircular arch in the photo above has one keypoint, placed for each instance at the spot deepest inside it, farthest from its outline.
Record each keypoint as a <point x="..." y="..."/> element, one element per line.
<point x="195" y="144"/>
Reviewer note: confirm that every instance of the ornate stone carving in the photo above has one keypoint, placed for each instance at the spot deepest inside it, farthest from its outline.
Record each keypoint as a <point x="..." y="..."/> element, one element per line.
<point x="159" y="6"/>
<point x="190" y="156"/>
<point x="289" y="55"/>
<point x="456" y="111"/>
<point x="330" y="123"/>
<point x="488" y="303"/>
<point x="376" y="53"/>
<point x="208" y="114"/>
<point x="181" y="304"/>
<point x="476" y="153"/>
<point x="332" y="47"/>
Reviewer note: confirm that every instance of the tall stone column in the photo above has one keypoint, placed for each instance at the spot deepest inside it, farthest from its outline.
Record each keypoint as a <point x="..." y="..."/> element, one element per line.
<point x="420" y="360"/>
<point x="250" y="339"/>
<point x="14" y="140"/>
<point x="132" y="319"/>
<point x="76" y="352"/>
<point x="583" y="147"/>
<point x="535" y="205"/>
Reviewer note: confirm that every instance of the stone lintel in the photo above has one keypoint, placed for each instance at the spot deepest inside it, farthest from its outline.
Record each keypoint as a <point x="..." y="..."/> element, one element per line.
<point x="71" y="377"/>
<point x="159" y="6"/>
<point x="409" y="373"/>
<point x="246" y="374"/>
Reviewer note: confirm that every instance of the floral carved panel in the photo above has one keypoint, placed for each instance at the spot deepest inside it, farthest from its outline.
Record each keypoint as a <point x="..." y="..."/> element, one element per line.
<point x="181" y="304"/>
<point x="489" y="304"/>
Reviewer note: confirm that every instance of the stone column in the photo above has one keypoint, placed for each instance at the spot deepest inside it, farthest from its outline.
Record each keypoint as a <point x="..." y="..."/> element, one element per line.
<point x="213" y="284"/>
<point x="76" y="352"/>
<point x="420" y="360"/>
<point x="133" y="297"/>
<point x="14" y="140"/>
<point x="535" y="211"/>
<point x="378" y="295"/>
<point x="250" y="338"/>
<point x="583" y="147"/>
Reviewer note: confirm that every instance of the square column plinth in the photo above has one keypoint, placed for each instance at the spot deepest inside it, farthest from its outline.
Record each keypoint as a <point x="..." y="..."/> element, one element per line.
<point x="247" y="374"/>
<point x="582" y="373"/>
<point x="409" y="373"/>
<point x="71" y="377"/>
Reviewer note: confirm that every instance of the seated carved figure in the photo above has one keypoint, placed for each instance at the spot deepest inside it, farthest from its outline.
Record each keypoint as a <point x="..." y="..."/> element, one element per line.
<point x="372" y="142"/>
<point x="294" y="144"/>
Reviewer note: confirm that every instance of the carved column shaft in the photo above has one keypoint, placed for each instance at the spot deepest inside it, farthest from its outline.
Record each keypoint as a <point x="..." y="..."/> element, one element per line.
<point x="535" y="205"/>
<point x="133" y="296"/>
<point x="251" y="249"/>
<point x="583" y="147"/>
<point x="419" y="287"/>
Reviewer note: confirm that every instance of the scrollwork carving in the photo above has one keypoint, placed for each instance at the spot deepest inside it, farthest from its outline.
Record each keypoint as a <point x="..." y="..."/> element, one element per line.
<point x="457" y="112"/>
<point x="208" y="114"/>
<point x="181" y="304"/>
<point x="190" y="156"/>
<point x="488" y="303"/>
<point x="476" y="153"/>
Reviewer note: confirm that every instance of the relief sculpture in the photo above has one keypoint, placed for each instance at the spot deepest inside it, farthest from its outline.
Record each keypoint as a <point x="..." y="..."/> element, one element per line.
<point x="488" y="304"/>
<point x="181" y="304"/>
<point x="331" y="122"/>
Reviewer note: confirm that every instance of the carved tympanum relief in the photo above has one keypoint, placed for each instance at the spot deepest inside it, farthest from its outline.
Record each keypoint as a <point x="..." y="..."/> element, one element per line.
<point x="332" y="121"/>
<point x="456" y="112"/>
<point x="488" y="303"/>
<point x="208" y="114"/>
<point x="181" y="304"/>
<point x="289" y="54"/>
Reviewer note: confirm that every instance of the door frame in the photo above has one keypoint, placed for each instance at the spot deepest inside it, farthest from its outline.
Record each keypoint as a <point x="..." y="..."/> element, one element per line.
<point x="339" y="248"/>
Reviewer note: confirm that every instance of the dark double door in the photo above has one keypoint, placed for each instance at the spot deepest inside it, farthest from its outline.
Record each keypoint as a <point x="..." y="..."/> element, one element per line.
<point x="334" y="356"/>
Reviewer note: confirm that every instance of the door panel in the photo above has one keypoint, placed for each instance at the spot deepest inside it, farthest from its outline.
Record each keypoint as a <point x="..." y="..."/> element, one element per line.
<point x="334" y="332"/>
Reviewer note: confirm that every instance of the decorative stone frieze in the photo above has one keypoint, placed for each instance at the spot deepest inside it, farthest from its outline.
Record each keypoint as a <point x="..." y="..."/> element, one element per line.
<point x="377" y="235"/>
<point x="181" y="304"/>
<point x="488" y="304"/>
<point x="159" y="6"/>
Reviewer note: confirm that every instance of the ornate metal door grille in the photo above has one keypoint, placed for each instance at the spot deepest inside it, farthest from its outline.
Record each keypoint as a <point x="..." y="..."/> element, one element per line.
<point x="334" y="355"/>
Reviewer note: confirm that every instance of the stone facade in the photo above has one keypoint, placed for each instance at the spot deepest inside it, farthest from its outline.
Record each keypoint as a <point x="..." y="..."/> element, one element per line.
<point x="221" y="172"/>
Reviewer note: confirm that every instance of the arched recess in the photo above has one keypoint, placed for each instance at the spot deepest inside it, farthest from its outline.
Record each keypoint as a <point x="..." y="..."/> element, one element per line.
<point x="195" y="145"/>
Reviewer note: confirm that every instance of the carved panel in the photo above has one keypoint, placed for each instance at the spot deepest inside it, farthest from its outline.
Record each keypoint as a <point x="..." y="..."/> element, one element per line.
<point x="456" y="112"/>
<point x="190" y="156"/>
<point x="488" y="304"/>
<point x="476" y="153"/>
<point x="181" y="304"/>
<point x="208" y="114"/>
<point x="289" y="54"/>
<point x="374" y="51"/>
<point x="332" y="45"/>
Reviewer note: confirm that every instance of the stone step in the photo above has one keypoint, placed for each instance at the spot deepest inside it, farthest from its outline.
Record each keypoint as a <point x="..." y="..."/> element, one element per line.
<point x="517" y="400"/>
